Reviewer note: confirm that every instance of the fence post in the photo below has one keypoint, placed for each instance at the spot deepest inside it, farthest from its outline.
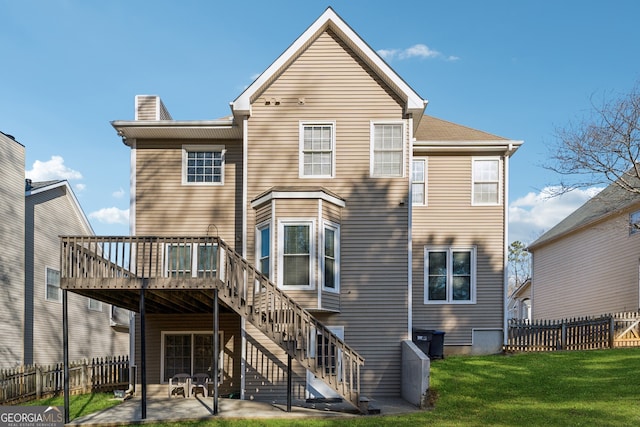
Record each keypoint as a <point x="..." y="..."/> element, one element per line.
<point x="612" y="331"/>
<point x="38" y="374"/>
<point x="563" y="337"/>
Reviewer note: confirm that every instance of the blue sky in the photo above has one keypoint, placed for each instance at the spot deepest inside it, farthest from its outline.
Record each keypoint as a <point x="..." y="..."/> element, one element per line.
<point x="517" y="69"/>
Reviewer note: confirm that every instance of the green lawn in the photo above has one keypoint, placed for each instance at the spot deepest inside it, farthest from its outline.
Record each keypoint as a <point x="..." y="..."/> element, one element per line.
<point x="81" y="404"/>
<point x="584" y="388"/>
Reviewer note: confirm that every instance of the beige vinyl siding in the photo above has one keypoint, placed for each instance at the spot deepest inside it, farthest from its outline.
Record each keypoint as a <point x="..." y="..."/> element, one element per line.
<point x="336" y="86"/>
<point x="12" y="234"/>
<point x="450" y="220"/>
<point x="49" y="214"/>
<point x="166" y="207"/>
<point x="590" y="272"/>
<point x="191" y="323"/>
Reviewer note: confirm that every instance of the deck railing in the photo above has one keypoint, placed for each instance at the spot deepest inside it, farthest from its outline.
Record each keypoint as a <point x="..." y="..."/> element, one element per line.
<point x="207" y="262"/>
<point x="584" y="333"/>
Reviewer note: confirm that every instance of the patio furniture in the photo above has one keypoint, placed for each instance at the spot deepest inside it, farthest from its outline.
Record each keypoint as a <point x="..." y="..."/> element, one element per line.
<point x="179" y="385"/>
<point x="200" y="384"/>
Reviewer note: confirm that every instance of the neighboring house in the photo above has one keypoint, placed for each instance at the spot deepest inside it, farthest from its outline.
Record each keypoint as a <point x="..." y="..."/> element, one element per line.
<point x="12" y="253"/>
<point x="34" y="215"/>
<point x="589" y="263"/>
<point x="519" y="302"/>
<point x="329" y="179"/>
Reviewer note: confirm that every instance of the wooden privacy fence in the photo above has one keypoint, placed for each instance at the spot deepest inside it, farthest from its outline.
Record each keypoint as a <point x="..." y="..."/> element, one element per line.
<point x="36" y="381"/>
<point x="586" y="333"/>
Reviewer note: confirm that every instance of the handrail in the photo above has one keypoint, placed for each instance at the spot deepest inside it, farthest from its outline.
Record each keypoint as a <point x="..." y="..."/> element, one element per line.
<point x="168" y="262"/>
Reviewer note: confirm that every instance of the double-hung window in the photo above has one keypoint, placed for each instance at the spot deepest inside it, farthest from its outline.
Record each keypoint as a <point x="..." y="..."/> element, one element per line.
<point x="486" y="181"/>
<point x="203" y="164"/>
<point x="450" y="275"/>
<point x="634" y="222"/>
<point x="296" y="253"/>
<point x="317" y="149"/>
<point x="53" y="292"/>
<point x="419" y="181"/>
<point x="331" y="257"/>
<point x="263" y="234"/>
<point x="387" y="150"/>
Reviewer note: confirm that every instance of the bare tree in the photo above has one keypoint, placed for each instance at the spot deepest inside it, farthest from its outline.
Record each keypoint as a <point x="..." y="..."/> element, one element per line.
<point x="519" y="264"/>
<point x="602" y="148"/>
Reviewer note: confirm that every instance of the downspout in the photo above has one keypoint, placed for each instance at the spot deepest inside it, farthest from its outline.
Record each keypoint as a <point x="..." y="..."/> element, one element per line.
<point x="132" y="232"/>
<point x="505" y="330"/>
<point x="243" y="322"/>
<point x="410" y="236"/>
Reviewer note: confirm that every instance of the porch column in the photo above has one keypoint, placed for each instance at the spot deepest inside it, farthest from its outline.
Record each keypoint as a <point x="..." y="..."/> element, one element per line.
<point x="216" y="350"/>
<point x="65" y="353"/>
<point x="143" y="356"/>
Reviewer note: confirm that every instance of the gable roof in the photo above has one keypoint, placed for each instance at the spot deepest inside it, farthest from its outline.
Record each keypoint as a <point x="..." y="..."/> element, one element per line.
<point x="435" y="134"/>
<point x="44" y="186"/>
<point x="414" y="104"/>
<point x="609" y="201"/>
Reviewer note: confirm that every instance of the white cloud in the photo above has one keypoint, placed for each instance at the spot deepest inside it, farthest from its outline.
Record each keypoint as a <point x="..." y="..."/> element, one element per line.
<point x="111" y="215"/>
<point x="535" y="213"/>
<point x="52" y="169"/>
<point x="416" y="51"/>
<point x="80" y="187"/>
<point x="118" y="194"/>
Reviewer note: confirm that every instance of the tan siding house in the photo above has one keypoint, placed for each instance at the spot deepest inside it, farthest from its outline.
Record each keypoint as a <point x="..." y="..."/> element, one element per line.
<point x="588" y="264"/>
<point x="311" y="181"/>
<point x="12" y="254"/>
<point x="96" y="330"/>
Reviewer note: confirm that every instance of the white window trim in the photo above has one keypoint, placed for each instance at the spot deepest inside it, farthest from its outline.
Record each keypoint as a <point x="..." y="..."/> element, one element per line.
<point x="301" y="127"/>
<point x="259" y="229"/>
<point x="194" y="256"/>
<point x="473" y="182"/>
<point x="336" y="228"/>
<point x="425" y="183"/>
<point x="190" y="147"/>
<point x="46" y="285"/>
<point x="311" y="222"/>
<point x="450" y="250"/>
<point x="192" y="333"/>
<point x="373" y="124"/>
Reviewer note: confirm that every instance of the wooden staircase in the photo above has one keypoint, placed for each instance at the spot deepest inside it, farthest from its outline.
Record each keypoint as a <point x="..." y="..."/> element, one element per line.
<point x="253" y="296"/>
<point x="92" y="264"/>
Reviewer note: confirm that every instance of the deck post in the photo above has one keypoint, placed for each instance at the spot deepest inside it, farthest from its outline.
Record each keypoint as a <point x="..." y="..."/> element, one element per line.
<point x="216" y="350"/>
<point x="65" y="353"/>
<point x="289" y="382"/>
<point x="143" y="355"/>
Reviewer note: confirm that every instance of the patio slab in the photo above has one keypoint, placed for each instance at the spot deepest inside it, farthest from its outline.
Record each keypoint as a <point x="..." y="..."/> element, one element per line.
<point x="200" y="408"/>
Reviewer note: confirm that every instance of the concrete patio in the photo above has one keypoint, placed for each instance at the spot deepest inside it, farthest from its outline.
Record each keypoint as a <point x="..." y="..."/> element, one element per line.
<point x="200" y="408"/>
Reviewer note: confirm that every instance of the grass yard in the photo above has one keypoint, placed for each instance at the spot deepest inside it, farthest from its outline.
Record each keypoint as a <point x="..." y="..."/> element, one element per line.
<point x="582" y="388"/>
<point x="80" y="404"/>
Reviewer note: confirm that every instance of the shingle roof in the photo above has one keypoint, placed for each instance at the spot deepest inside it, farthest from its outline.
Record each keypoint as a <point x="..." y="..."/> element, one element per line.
<point x="609" y="201"/>
<point x="41" y="184"/>
<point x="433" y="129"/>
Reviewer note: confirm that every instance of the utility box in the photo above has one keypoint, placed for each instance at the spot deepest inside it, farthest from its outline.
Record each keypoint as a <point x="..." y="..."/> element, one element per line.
<point x="430" y="341"/>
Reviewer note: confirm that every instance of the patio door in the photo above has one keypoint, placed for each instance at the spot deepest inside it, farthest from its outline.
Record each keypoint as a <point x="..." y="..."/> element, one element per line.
<point x="328" y="356"/>
<point x="188" y="353"/>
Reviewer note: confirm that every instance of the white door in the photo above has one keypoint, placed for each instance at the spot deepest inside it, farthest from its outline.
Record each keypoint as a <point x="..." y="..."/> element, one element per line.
<point x="316" y="388"/>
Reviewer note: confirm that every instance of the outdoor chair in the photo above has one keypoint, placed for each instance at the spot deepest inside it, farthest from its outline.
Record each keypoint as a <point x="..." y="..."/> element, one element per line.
<point x="179" y="385"/>
<point x="200" y="384"/>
